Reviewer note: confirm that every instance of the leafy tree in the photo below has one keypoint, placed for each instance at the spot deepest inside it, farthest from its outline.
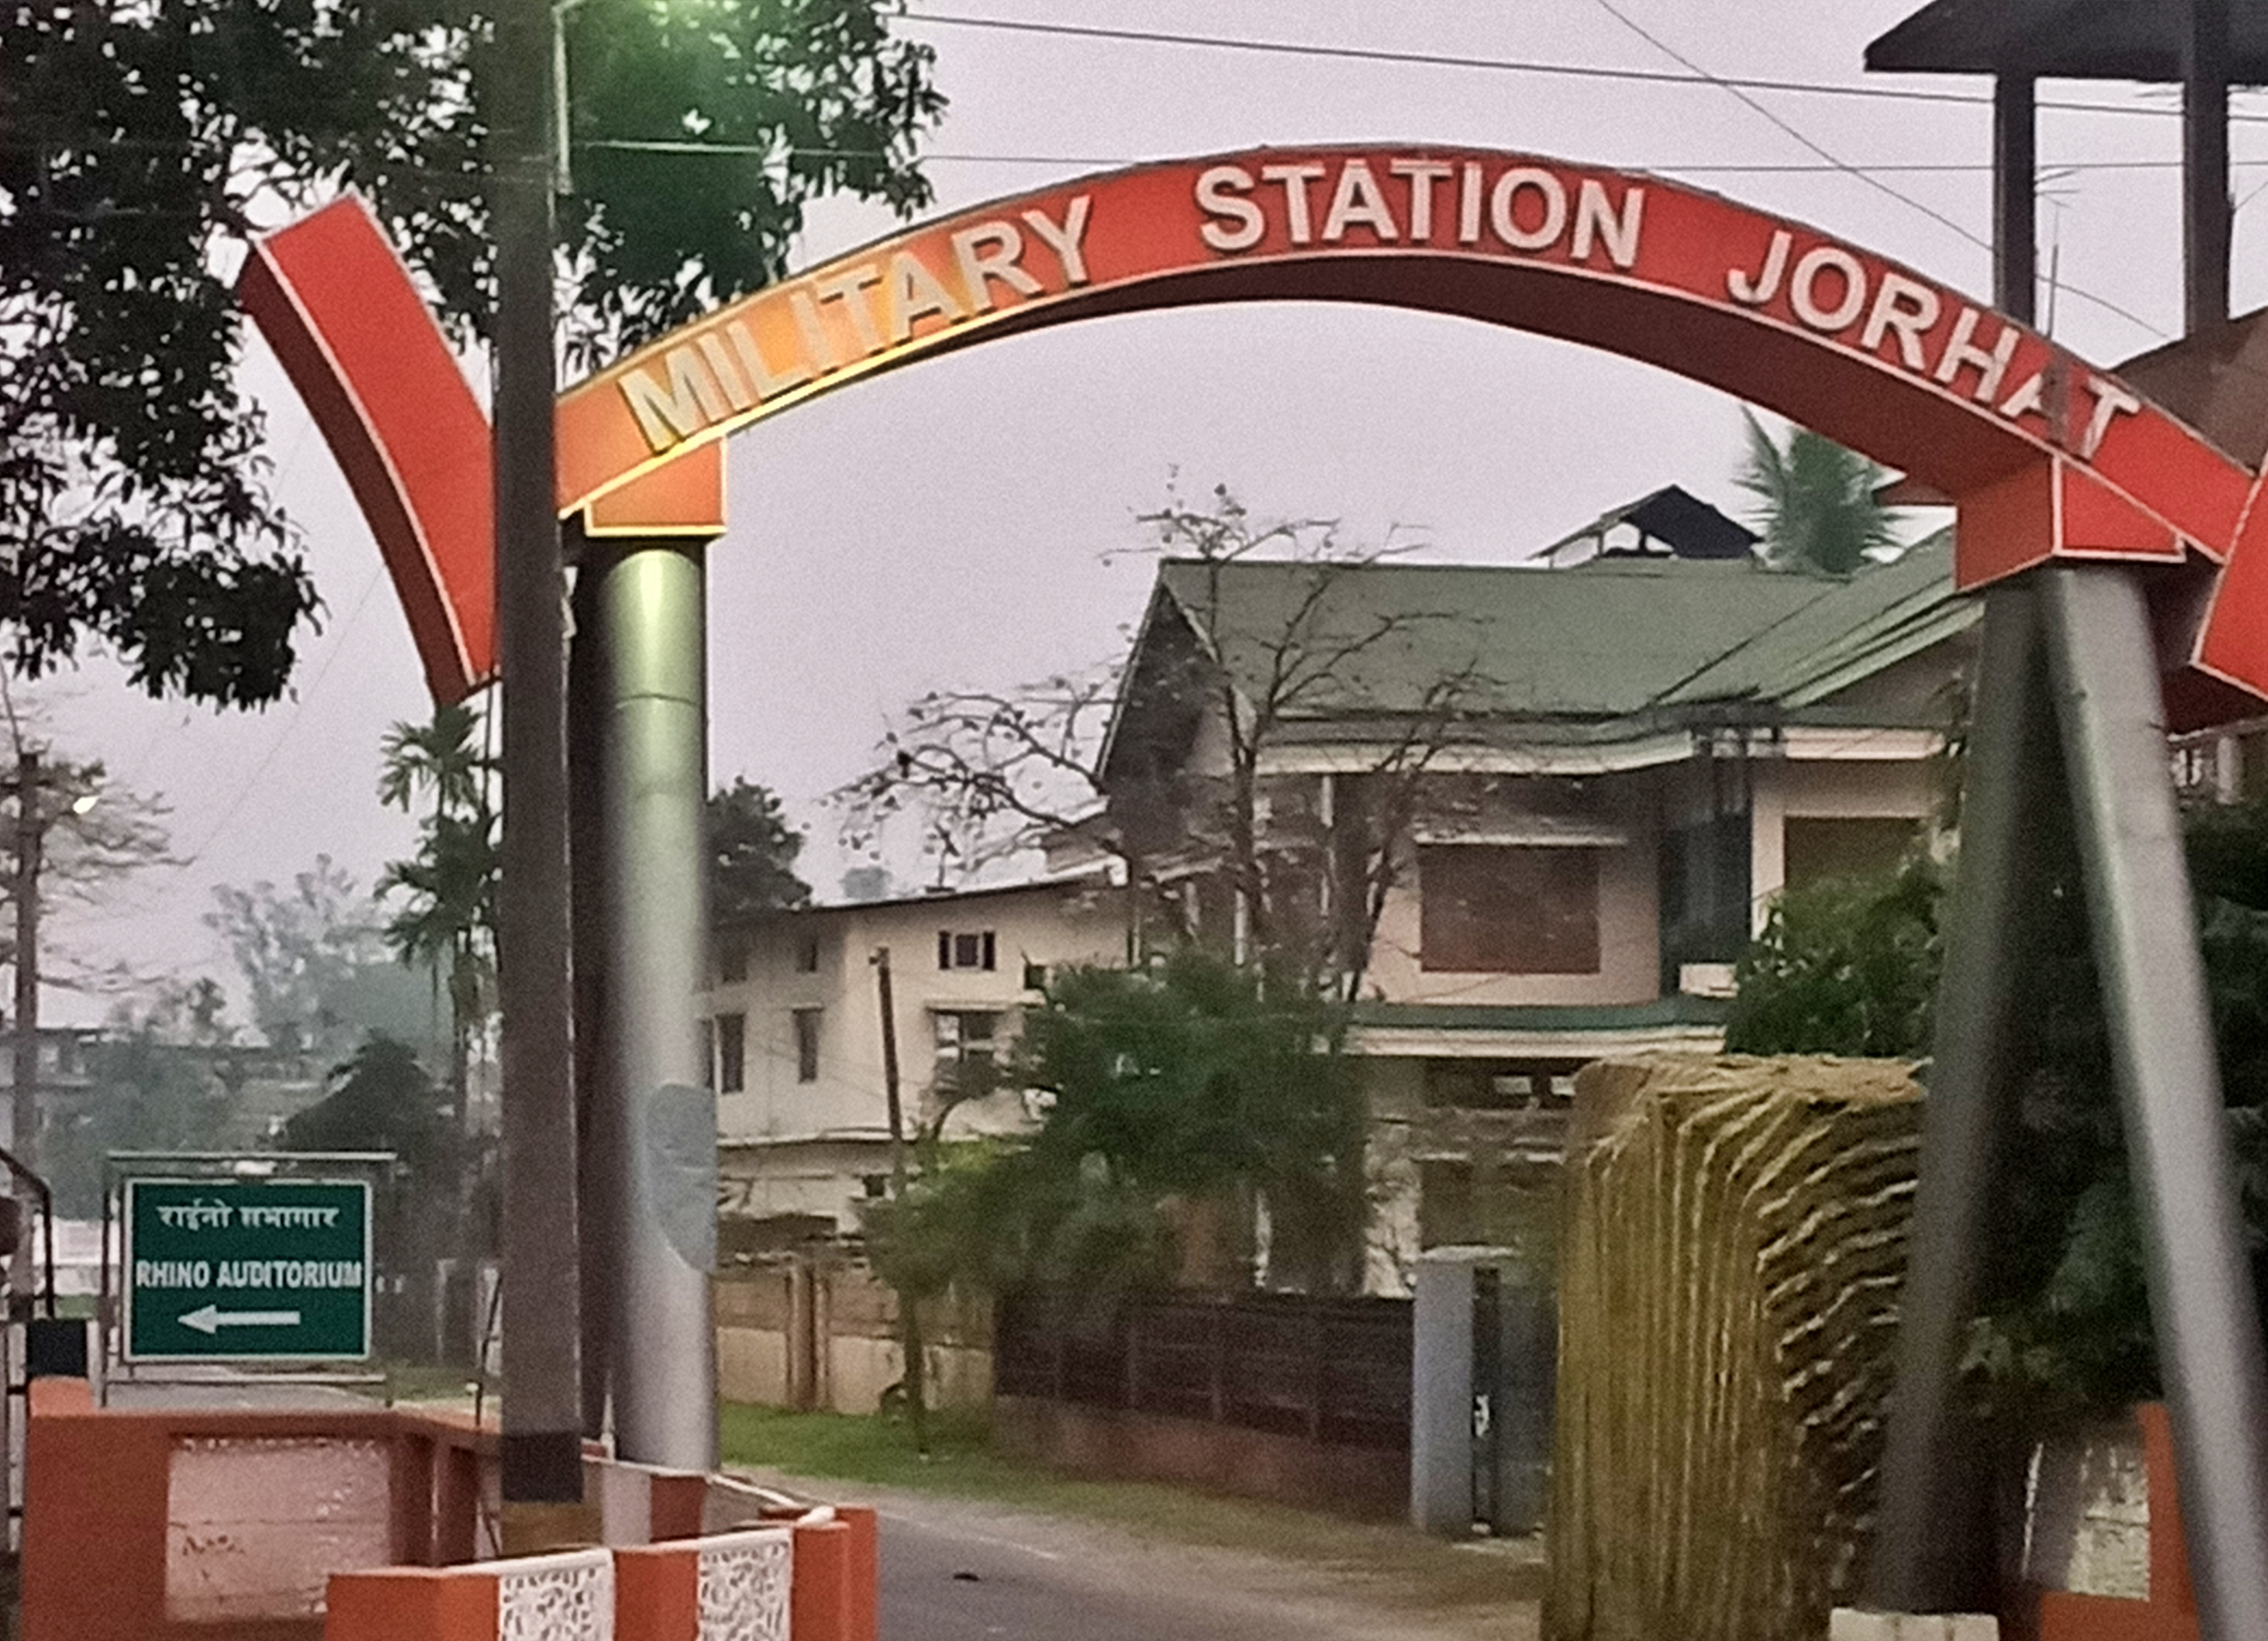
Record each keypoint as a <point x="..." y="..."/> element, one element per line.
<point x="752" y="853"/>
<point x="1850" y="968"/>
<point x="313" y="960"/>
<point x="378" y="1099"/>
<point x="141" y="145"/>
<point x="1816" y="501"/>
<point x="448" y="918"/>
<point x="1843" y="965"/>
<point x="153" y="1083"/>
<point x="1187" y="1081"/>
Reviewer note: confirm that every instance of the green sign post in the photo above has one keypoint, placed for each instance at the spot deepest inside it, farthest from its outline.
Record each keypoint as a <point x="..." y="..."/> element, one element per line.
<point x="225" y="1269"/>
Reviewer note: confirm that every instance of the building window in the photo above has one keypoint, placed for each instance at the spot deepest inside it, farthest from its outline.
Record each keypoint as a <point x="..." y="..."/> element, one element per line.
<point x="1815" y="848"/>
<point x="732" y="960"/>
<point x="806" y="954"/>
<point x="1446" y="1208"/>
<point x="956" y="950"/>
<point x="708" y="1054"/>
<point x="968" y="1040"/>
<point x="1499" y="1084"/>
<point x="806" y="1043"/>
<point x="1035" y="976"/>
<point x="731" y="1053"/>
<point x="1508" y="909"/>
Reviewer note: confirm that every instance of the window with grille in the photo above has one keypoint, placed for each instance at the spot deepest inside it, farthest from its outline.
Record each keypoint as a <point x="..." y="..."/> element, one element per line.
<point x="1498" y="908"/>
<point x="967" y="1049"/>
<point x="966" y="949"/>
<point x="731" y="1053"/>
<point x="732" y="960"/>
<point x="806" y="1043"/>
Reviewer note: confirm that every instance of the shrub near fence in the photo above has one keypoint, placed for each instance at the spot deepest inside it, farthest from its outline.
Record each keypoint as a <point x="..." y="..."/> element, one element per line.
<point x="1284" y="1396"/>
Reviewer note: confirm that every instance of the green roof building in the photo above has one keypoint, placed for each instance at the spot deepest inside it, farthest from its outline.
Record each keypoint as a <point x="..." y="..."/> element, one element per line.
<point x="1528" y="815"/>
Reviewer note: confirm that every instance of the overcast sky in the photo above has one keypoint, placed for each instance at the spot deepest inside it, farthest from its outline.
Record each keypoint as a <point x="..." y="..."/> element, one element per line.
<point x="946" y="525"/>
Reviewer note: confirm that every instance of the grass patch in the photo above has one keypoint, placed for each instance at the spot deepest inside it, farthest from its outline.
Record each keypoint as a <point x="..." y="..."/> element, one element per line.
<point x="880" y="1453"/>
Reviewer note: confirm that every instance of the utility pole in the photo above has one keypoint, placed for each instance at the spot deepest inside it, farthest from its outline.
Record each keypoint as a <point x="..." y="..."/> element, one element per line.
<point x="25" y="1105"/>
<point x="910" y="1329"/>
<point x="541" y="1449"/>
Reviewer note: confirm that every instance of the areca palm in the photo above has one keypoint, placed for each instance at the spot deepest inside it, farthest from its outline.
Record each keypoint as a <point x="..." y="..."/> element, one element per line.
<point x="1816" y="501"/>
<point x="448" y="922"/>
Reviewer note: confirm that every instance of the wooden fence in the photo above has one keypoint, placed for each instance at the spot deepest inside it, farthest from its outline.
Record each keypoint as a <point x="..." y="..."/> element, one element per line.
<point x="1328" y="1371"/>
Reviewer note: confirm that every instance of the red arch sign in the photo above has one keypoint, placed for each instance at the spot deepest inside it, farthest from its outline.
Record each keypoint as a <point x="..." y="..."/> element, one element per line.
<point x="2044" y="455"/>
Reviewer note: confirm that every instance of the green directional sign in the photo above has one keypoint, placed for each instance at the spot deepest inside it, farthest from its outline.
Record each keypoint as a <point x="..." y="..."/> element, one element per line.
<point x="222" y="1269"/>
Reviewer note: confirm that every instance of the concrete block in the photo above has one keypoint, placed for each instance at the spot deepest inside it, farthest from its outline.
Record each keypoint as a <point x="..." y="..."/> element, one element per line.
<point x="1854" y="1623"/>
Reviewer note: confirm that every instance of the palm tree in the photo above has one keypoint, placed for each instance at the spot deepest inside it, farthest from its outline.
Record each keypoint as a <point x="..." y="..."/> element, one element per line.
<point x="1817" y="509"/>
<point x="448" y="921"/>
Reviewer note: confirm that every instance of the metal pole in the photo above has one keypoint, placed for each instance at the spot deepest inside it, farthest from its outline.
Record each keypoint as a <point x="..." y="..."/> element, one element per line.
<point x="2162" y="1042"/>
<point x="2015" y="196"/>
<point x="658" y="1118"/>
<point x="542" y="1452"/>
<point x="1930" y="1555"/>
<point x="595" y="1165"/>
<point x="2206" y="210"/>
<point x="894" y="1102"/>
<point x="910" y="1329"/>
<point x="25" y="1102"/>
<point x="25" y="1109"/>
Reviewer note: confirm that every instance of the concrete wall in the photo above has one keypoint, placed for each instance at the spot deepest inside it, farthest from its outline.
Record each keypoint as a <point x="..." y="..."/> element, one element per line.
<point x="162" y="1524"/>
<point x="823" y="1336"/>
<point x="1367" y="1483"/>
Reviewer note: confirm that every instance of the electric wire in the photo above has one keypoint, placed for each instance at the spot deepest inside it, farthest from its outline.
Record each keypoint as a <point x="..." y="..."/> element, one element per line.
<point x="1514" y="65"/>
<point x="298" y="710"/>
<point x="1790" y="129"/>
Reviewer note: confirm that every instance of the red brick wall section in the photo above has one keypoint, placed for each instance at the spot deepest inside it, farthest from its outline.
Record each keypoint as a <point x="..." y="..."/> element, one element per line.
<point x="865" y="1579"/>
<point x="657" y="1594"/>
<point x="818" y="1600"/>
<point x="410" y="1604"/>
<point x="676" y="1499"/>
<point x="94" y="1523"/>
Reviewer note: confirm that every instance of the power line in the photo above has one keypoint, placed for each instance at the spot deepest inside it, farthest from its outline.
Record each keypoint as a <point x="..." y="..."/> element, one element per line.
<point x="1950" y="168"/>
<point x="299" y="709"/>
<point x="1514" y="65"/>
<point x="1871" y="181"/>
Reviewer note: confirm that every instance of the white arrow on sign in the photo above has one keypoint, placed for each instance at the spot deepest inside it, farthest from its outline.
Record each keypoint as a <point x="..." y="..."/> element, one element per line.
<point x="211" y="1318"/>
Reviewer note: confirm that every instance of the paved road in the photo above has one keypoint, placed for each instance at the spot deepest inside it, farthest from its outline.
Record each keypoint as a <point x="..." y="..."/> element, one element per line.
<point x="952" y="1570"/>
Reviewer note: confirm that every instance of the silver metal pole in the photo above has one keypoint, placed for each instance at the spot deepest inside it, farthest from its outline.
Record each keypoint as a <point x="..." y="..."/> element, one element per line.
<point x="2137" y="892"/>
<point x="1927" y="1555"/>
<point x="660" y="1116"/>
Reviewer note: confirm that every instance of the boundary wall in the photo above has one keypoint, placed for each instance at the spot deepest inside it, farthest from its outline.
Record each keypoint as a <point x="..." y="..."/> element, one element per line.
<point x="357" y="1522"/>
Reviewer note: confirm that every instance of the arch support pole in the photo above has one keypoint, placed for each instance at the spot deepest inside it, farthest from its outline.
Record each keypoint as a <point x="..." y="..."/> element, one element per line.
<point x="2078" y="639"/>
<point x="1932" y="1551"/>
<point x="2108" y="705"/>
<point x="655" y="1117"/>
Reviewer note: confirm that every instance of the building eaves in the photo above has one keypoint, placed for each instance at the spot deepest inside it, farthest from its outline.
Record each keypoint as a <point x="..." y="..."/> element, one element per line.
<point x="1086" y="881"/>
<point x="1605" y="640"/>
<point x="1676" y="1009"/>
<point x="1857" y="628"/>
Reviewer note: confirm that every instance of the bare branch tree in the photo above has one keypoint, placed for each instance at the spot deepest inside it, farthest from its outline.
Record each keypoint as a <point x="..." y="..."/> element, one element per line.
<point x="1166" y="762"/>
